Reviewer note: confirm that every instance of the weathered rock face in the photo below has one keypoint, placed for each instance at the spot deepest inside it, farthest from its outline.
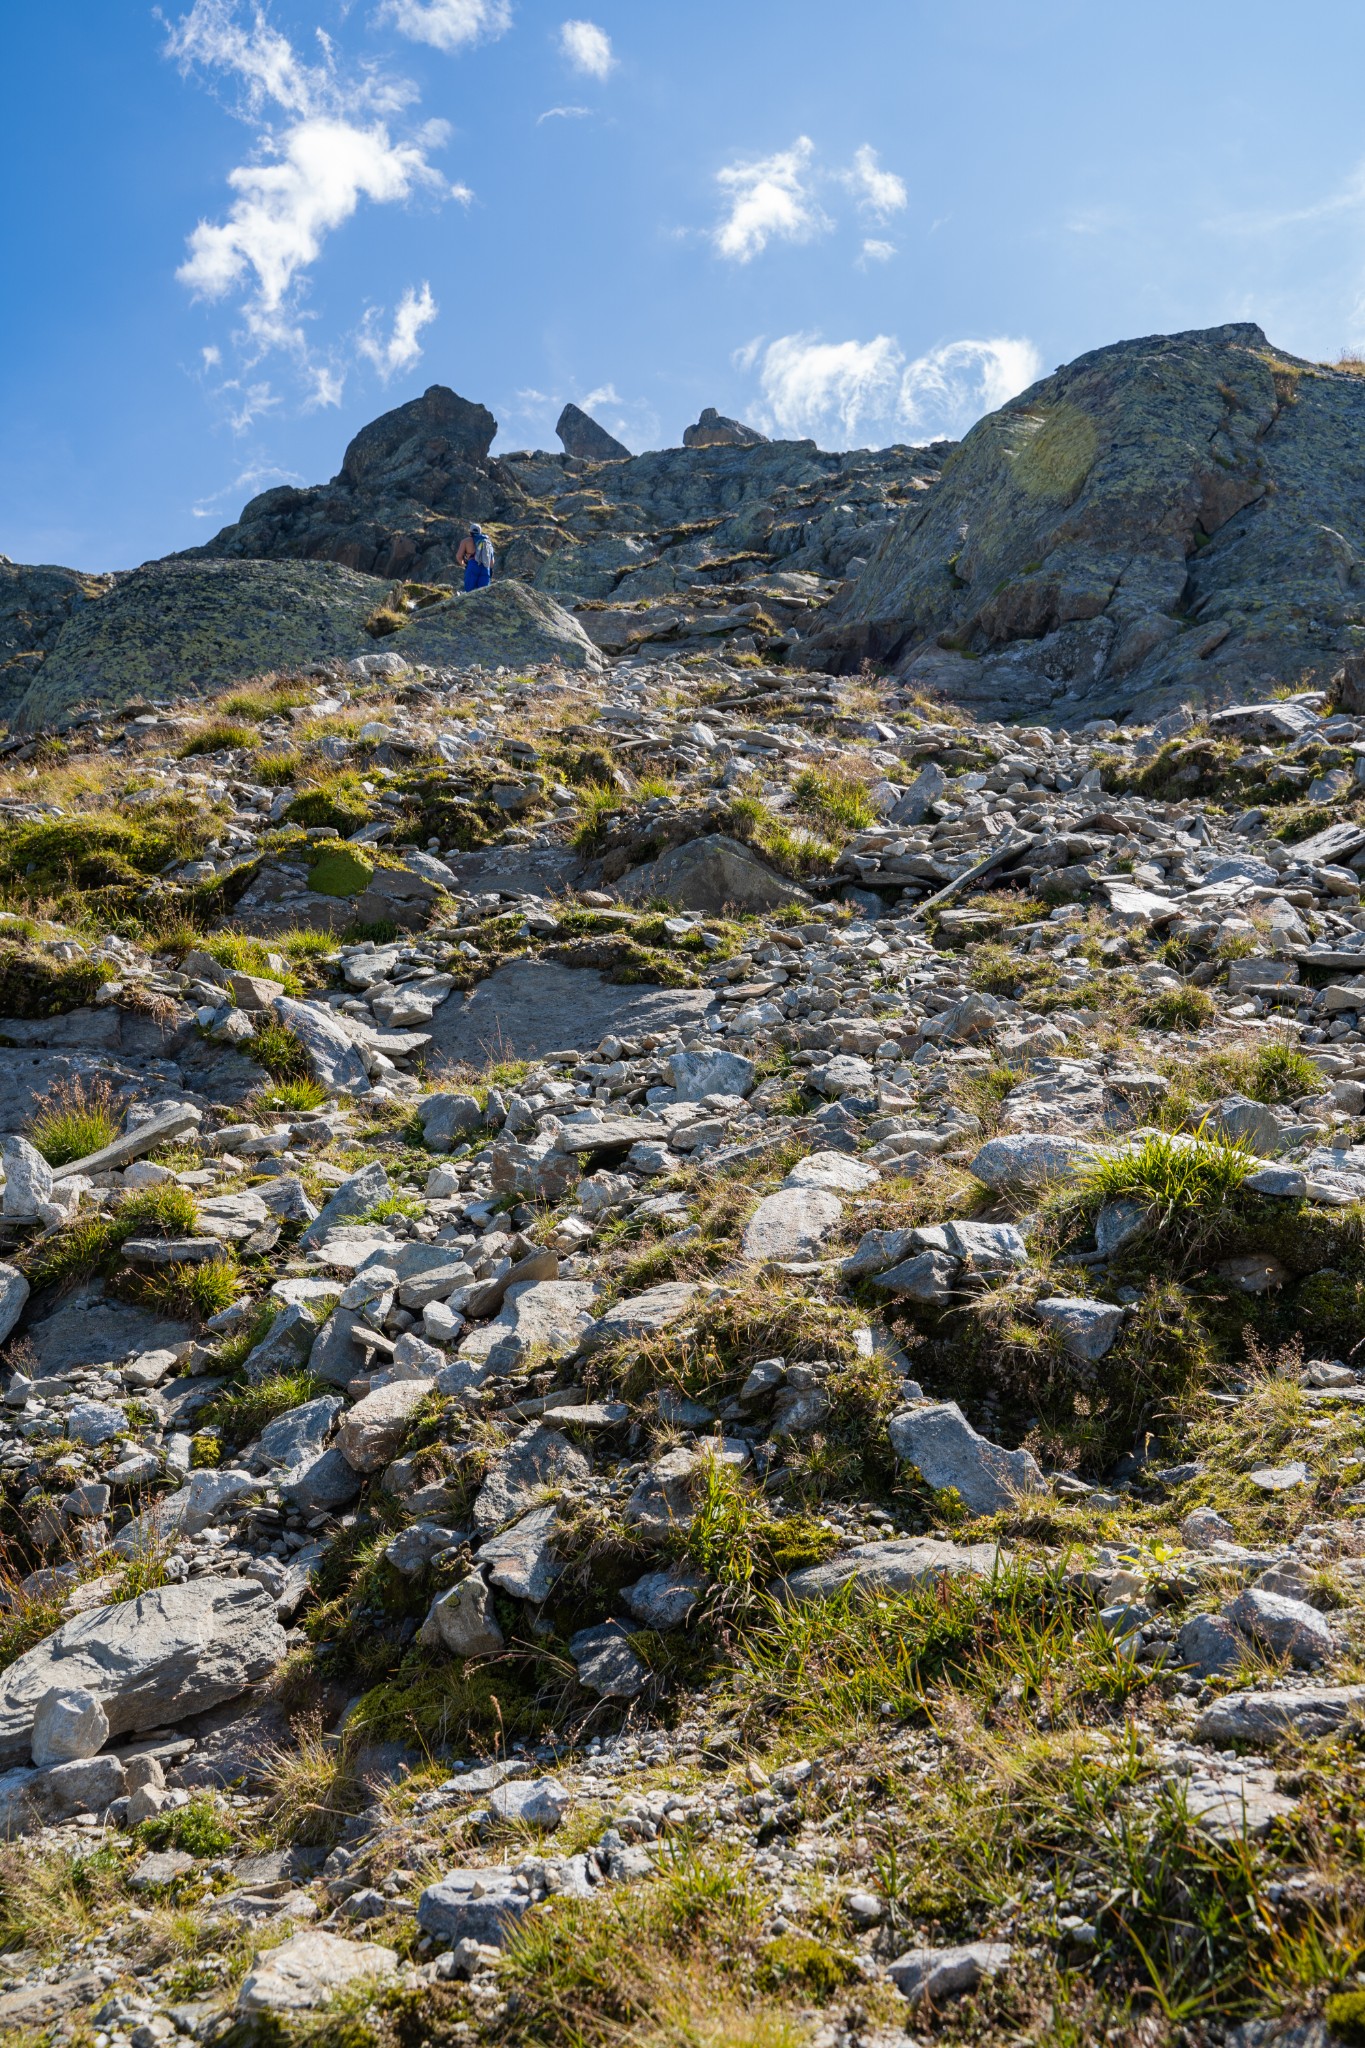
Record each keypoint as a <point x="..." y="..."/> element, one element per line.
<point x="183" y="625"/>
<point x="581" y="435"/>
<point x="1162" y="519"/>
<point x="507" y="625"/>
<point x="713" y="430"/>
<point x="35" y="603"/>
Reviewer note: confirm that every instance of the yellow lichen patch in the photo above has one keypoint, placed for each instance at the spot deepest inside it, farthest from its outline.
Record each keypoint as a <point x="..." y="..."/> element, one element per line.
<point x="1055" y="456"/>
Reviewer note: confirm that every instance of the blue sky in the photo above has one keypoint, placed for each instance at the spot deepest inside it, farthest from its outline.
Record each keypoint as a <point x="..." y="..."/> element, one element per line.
<point x="234" y="234"/>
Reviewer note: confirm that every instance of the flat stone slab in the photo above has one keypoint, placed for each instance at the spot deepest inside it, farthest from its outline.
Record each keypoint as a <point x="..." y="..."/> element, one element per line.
<point x="896" y="1566"/>
<point x="1265" y="1716"/>
<point x="88" y="1328"/>
<point x="531" y="1007"/>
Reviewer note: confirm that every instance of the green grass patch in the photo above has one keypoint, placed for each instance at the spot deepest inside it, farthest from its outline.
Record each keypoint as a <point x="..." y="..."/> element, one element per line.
<point x="73" y="1120"/>
<point x="220" y="738"/>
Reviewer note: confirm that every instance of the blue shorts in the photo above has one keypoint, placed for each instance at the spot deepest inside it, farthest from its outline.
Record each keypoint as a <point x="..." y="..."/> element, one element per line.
<point x="476" y="577"/>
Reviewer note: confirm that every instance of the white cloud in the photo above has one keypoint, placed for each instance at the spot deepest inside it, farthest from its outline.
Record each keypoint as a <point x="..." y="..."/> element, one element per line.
<point x="212" y="356"/>
<point x="563" y="114"/>
<point x="877" y="252"/>
<point x="946" y="391"/>
<point x="464" y="193"/>
<point x="328" y="385"/>
<point x="448" y="24"/>
<point x="245" y="486"/>
<point x="402" y="349"/>
<point x="815" y="387"/>
<point x="879" y="193"/>
<point x="770" y="198"/>
<point x="328" y="148"/>
<point x="844" y="391"/>
<point x="284" y="210"/>
<point x="587" y="48"/>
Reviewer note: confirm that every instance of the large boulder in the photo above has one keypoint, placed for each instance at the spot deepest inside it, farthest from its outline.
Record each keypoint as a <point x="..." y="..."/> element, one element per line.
<point x="712" y="874"/>
<point x="530" y="1007"/>
<point x="714" y="430"/>
<point x="1162" y="519"/>
<point x="174" y="627"/>
<point x="150" y="1661"/>
<point x="308" y="1969"/>
<point x="582" y="436"/>
<point x="508" y="625"/>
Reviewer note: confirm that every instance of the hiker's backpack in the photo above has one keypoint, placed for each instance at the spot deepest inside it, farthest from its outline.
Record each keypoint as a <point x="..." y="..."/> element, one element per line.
<point x="483" y="553"/>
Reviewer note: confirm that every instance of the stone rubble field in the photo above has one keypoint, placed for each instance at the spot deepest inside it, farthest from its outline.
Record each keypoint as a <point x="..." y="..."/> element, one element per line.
<point x="682" y="1364"/>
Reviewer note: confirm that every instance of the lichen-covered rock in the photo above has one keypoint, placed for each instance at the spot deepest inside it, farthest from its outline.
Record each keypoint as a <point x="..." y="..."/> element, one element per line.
<point x="1136" y="533"/>
<point x="179" y="626"/>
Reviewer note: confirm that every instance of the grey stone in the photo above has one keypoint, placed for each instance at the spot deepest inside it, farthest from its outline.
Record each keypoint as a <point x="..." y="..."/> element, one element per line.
<point x="938" y="1440"/>
<point x="1203" y="1527"/>
<point x="286" y="1345"/>
<point x="531" y="1007"/>
<point x="927" y="1277"/>
<point x="1263" y="1717"/>
<point x="642" y="1315"/>
<point x="88" y="1784"/>
<point x="845" y="1074"/>
<point x="473" y="1905"/>
<point x="1287" y="1628"/>
<point x="414" y="1547"/>
<point x="372" y="1432"/>
<point x="662" y="1503"/>
<point x="899" y="1565"/>
<point x="1087" y="1328"/>
<point x="68" y="1723"/>
<point x="926" y="789"/>
<point x="834" y="1171"/>
<point x="1208" y="1645"/>
<point x="159" y="1868"/>
<point x="1118" y="1224"/>
<point x="947" y="1972"/>
<point x="309" y="1969"/>
<point x="287" y="1199"/>
<point x="711" y="875"/>
<point x="521" y="1560"/>
<point x="791" y="1224"/>
<point x="664" y="1599"/>
<point x="13" y="1295"/>
<point x="1280" y="1478"/>
<point x="536" y="1460"/>
<point x="582" y="436"/>
<point x="448" y="1118"/>
<point x="87" y="1329"/>
<point x="714" y="430"/>
<point x="94" y="1422"/>
<point x="463" y="1621"/>
<point x="150" y="1661"/>
<point x="537" y="1315"/>
<point x="300" y="1433"/>
<point x="1250" y="1124"/>
<point x="1235" y="1805"/>
<point x="695" y="1075"/>
<point x="1018" y="1161"/>
<point x="607" y="1665"/>
<point x="28" y="1178"/>
<point x="333" y="1055"/>
<point x="324" y="1482"/>
<point x="877" y="1251"/>
<point x="536" y="1802"/>
<point x="355" y="1197"/>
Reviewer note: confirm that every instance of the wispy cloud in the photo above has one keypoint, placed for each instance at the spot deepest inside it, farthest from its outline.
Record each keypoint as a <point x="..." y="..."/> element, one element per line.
<point x="879" y="193"/>
<point x="768" y="198"/>
<point x="255" y="478"/>
<point x="448" y="24"/>
<point x="323" y="145"/>
<point x="778" y="198"/>
<point x="874" y="251"/>
<point x="401" y="349"/>
<point x="563" y="114"/>
<point x="837" y="392"/>
<point x="587" y="48"/>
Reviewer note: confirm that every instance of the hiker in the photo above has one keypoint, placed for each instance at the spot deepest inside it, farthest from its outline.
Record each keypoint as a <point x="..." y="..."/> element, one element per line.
<point x="475" y="552"/>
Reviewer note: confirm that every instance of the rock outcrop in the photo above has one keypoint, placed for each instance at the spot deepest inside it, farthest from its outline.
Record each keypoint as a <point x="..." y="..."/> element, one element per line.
<point x="714" y="430"/>
<point x="1163" y="519"/>
<point x="35" y="603"/>
<point x="581" y="435"/>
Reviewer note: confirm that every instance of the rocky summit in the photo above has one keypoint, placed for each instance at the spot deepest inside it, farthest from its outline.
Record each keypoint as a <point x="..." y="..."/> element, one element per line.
<point x="680" y="1330"/>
